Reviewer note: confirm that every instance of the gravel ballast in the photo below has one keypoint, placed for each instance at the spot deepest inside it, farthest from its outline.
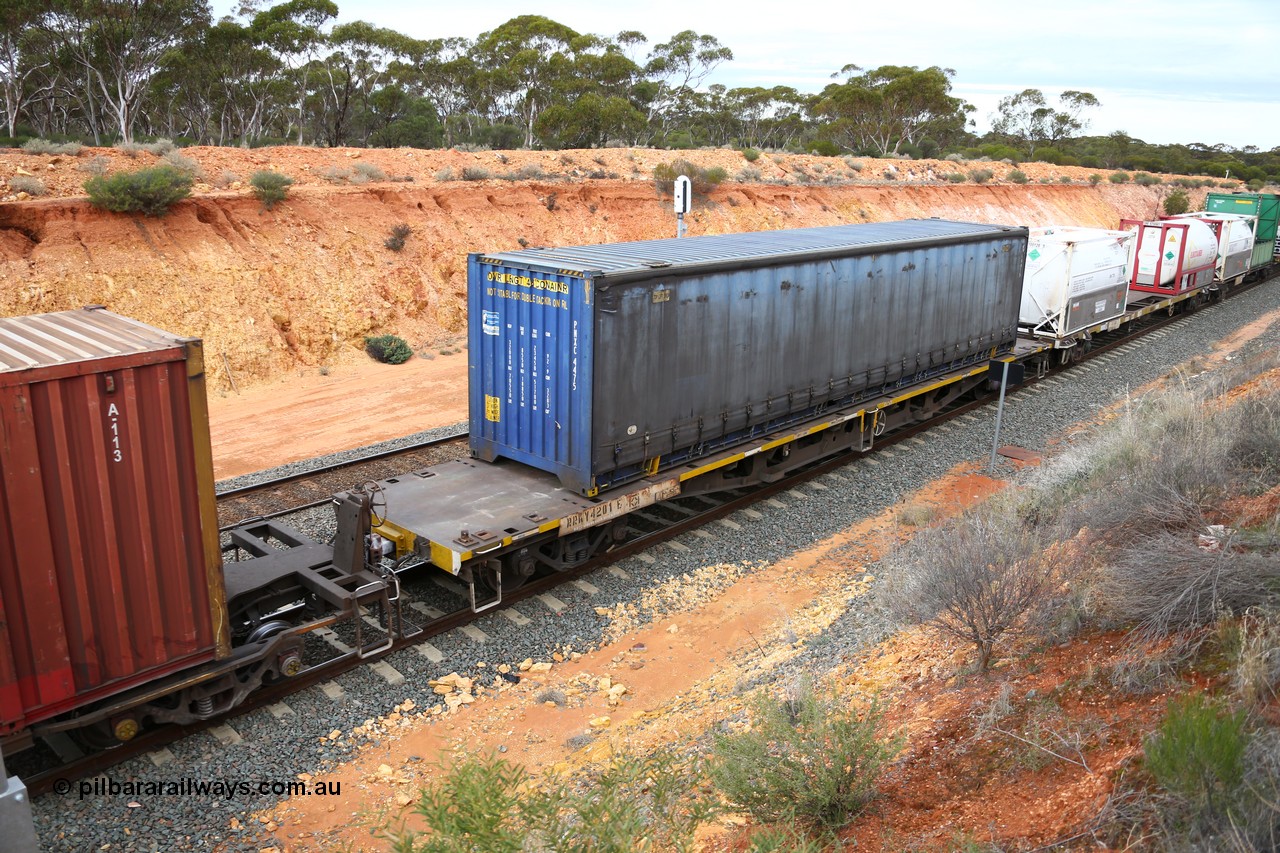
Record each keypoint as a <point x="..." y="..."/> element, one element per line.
<point x="278" y="750"/>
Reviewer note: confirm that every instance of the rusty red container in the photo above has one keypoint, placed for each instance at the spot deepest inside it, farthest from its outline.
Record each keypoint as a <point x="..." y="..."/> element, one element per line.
<point x="110" y="570"/>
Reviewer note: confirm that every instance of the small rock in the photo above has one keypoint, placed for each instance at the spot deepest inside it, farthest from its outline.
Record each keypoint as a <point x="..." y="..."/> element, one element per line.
<point x="673" y="629"/>
<point x="600" y="723"/>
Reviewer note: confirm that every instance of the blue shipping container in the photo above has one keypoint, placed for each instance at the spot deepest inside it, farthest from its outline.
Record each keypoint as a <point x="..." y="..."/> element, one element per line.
<point x="603" y="364"/>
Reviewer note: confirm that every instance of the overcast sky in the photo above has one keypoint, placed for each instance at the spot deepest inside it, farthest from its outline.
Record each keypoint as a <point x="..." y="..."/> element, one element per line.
<point x="1172" y="71"/>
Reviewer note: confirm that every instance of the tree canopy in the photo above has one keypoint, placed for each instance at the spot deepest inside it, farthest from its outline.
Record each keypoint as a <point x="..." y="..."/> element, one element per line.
<point x="110" y="70"/>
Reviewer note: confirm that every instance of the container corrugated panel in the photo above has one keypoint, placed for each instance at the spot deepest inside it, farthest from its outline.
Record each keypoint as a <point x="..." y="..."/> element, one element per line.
<point x="110" y="573"/>
<point x="604" y="363"/>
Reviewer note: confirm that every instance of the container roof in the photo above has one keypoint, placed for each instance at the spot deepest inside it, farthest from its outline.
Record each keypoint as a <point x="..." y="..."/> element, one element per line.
<point x="672" y="255"/>
<point x="66" y="337"/>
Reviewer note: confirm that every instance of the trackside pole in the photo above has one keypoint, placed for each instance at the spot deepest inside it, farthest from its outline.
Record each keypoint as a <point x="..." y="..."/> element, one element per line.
<point x="17" y="829"/>
<point x="995" y="442"/>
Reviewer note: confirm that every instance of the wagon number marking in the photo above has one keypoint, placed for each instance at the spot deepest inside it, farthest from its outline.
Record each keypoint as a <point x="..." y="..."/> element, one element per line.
<point x="606" y="510"/>
<point x="113" y="420"/>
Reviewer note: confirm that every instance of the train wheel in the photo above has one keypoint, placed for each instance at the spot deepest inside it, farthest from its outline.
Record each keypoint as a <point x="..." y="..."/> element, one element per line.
<point x="512" y="576"/>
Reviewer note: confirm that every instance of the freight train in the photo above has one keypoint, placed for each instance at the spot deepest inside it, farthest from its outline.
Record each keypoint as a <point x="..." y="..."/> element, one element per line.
<point x="603" y="379"/>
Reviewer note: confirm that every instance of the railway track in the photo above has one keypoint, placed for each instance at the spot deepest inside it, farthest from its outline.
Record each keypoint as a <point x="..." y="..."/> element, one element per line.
<point x="426" y="598"/>
<point x="316" y="486"/>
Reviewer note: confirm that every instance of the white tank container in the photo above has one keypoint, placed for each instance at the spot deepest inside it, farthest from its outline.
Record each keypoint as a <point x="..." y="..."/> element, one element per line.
<point x="1198" y="248"/>
<point x="1235" y="241"/>
<point x="1075" y="278"/>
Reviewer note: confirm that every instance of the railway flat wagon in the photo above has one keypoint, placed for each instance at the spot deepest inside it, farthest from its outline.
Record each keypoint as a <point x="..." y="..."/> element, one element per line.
<point x="110" y="571"/>
<point x="606" y="364"/>
<point x="1266" y="207"/>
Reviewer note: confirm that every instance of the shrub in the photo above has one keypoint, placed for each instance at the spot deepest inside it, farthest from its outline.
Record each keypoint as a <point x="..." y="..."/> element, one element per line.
<point x="25" y="184"/>
<point x="487" y="805"/>
<point x="1017" y="176"/>
<point x="748" y="174"/>
<point x="981" y="176"/>
<point x="1065" y="179"/>
<point x="703" y="180"/>
<point x="1198" y="754"/>
<point x="476" y="173"/>
<point x="399" y="234"/>
<point x="824" y="148"/>
<point x="1177" y="202"/>
<point x="44" y="146"/>
<point x="1119" y="177"/>
<point x="96" y="165"/>
<point x="956" y="177"/>
<point x="809" y="759"/>
<point x="160" y="147"/>
<point x="1145" y="180"/>
<point x="369" y="172"/>
<point x="954" y="158"/>
<point x="270" y="187"/>
<point x="388" y="349"/>
<point x="1256" y="184"/>
<point x="854" y="165"/>
<point x="335" y="174"/>
<point x="751" y="154"/>
<point x="148" y="191"/>
<point x="978" y="579"/>
<point x="184" y="164"/>
<point x="1095" y="179"/>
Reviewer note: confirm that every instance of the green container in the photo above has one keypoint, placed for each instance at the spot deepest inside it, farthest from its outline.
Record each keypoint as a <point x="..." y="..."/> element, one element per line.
<point x="1265" y="206"/>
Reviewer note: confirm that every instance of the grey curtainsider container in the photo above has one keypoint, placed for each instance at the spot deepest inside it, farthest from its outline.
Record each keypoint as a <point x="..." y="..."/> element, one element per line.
<point x="604" y="364"/>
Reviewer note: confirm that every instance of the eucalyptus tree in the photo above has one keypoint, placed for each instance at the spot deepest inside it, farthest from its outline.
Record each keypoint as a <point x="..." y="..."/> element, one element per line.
<point x="518" y="66"/>
<point x="121" y="45"/>
<point x="359" y="62"/>
<point x="675" y="69"/>
<point x="444" y="71"/>
<point x="1027" y="118"/>
<point x="294" y="32"/>
<point x="22" y="59"/>
<point x="228" y="87"/>
<point x="892" y="105"/>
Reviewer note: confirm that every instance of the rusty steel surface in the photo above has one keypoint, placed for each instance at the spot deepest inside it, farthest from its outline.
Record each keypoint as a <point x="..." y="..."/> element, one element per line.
<point x="107" y="579"/>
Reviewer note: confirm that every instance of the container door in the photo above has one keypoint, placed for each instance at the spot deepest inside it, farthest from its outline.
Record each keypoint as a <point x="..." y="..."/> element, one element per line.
<point x="530" y="335"/>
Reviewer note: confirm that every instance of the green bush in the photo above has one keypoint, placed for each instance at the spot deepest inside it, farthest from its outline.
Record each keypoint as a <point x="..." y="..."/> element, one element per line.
<point x="981" y="176"/>
<point x="824" y="148"/>
<point x="388" y="349"/>
<point x="703" y="180"/>
<point x="1119" y="177"/>
<point x="270" y="187"/>
<point x="751" y="154"/>
<point x="809" y="759"/>
<point x="149" y="191"/>
<point x="1198" y="753"/>
<point x="487" y="805"/>
<point x="956" y="177"/>
<point x="476" y="173"/>
<point x="1065" y="179"/>
<point x="1017" y="176"/>
<point x="1095" y="179"/>
<point x="1177" y="202"/>
<point x="399" y="234"/>
<point x="1142" y="179"/>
